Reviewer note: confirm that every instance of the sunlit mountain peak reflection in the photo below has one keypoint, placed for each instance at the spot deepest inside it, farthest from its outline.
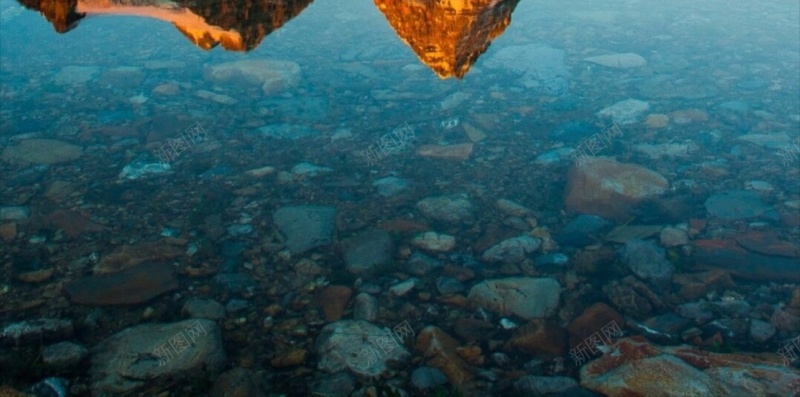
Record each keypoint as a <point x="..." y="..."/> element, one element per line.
<point x="448" y="35"/>
<point x="236" y="25"/>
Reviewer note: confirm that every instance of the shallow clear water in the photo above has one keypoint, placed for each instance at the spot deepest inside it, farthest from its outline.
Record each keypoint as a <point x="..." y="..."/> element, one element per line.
<point x="481" y="174"/>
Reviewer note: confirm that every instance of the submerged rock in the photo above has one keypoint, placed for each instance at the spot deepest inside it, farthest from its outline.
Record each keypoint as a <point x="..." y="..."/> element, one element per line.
<point x="271" y="75"/>
<point x="541" y="68"/>
<point x="451" y="209"/>
<point x="434" y="242"/>
<point x="128" y="287"/>
<point x="41" y="151"/>
<point x="635" y="367"/>
<point x="356" y="346"/>
<point x="306" y="227"/>
<point x="608" y="188"/>
<point x="625" y="112"/>
<point x="525" y="297"/>
<point x="390" y="186"/>
<point x="36" y="331"/>
<point x="736" y="205"/>
<point x="148" y="354"/>
<point x="64" y="354"/>
<point x="618" y="61"/>
<point x="364" y="252"/>
<point x="513" y="250"/>
<point x="647" y="261"/>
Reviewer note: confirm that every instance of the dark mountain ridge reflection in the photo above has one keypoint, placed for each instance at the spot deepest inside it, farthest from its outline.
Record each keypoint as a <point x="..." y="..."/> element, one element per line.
<point x="447" y="35"/>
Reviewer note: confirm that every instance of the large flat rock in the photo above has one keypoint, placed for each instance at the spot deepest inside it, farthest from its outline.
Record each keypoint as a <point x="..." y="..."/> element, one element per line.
<point x="525" y="297"/>
<point x="153" y="354"/>
<point x="128" y="287"/>
<point x="41" y="151"/>
<point x="730" y="256"/>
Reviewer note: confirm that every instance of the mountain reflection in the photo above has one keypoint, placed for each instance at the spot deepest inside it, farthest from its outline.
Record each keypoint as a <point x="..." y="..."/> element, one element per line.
<point x="446" y="35"/>
<point x="237" y="25"/>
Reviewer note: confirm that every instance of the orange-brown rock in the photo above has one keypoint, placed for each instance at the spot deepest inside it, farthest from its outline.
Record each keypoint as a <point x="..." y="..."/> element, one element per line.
<point x="8" y="231"/>
<point x="128" y="287"/>
<point x="603" y="186"/>
<point x="129" y="256"/>
<point x="333" y="300"/>
<point x="539" y="336"/>
<point x="696" y="285"/>
<point x="730" y="256"/>
<point x="768" y="243"/>
<point x="440" y="351"/>
<point x="290" y="358"/>
<point x="72" y="223"/>
<point x="794" y="303"/>
<point x="460" y="151"/>
<point x="634" y="367"/>
<point x="454" y="300"/>
<point x="473" y="329"/>
<point x="472" y="354"/>
<point x="592" y="321"/>
<point x="36" y="276"/>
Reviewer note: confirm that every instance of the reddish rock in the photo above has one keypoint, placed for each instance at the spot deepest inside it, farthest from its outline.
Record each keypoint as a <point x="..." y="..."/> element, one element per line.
<point x="697" y="225"/>
<point x="784" y="320"/>
<point x="460" y="151"/>
<point x="440" y="351"/>
<point x="333" y="299"/>
<point x="696" y="285"/>
<point x="605" y="187"/>
<point x="290" y="358"/>
<point x="8" y="231"/>
<point x="768" y="243"/>
<point x="634" y="367"/>
<point x="729" y="255"/>
<point x="72" y="223"/>
<point x="539" y="336"/>
<point x="403" y="226"/>
<point x="128" y="287"/>
<point x="129" y="256"/>
<point x="794" y="303"/>
<point x="592" y="321"/>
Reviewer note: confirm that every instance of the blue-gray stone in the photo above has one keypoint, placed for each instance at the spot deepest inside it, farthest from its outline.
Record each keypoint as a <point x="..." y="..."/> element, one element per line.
<point x="420" y="264"/>
<point x="287" y="131"/>
<point x="573" y="131"/>
<point x="448" y="285"/>
<point x="235" y="282"/>
<point x="390" y="186"/>
<point x="50" y="387"/>
<point x="647" y="261"/>
<point x="143" y="166"/>
<point x="544" y="385"/>
<point x="298" y="108"/>
<point x="583" y="230"/>
<point x="551" y="262"/>
<point x="306" y="227"/>
<point x="236" y="305"/>
<point x="426" y="378"/>
<point x="14" y="213"/>
<point x="367" y="250"/>
<point x="737" y="205"/>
